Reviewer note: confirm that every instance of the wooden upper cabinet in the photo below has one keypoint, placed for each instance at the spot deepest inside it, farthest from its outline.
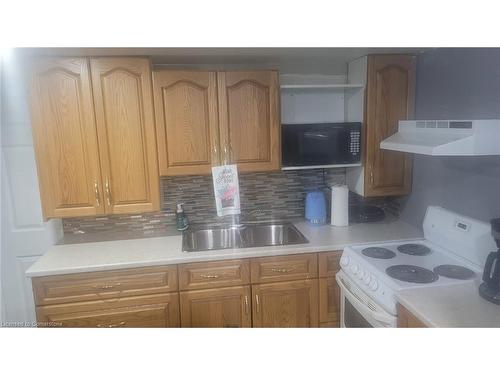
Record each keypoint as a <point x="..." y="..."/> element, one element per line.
<point x="126" y="131"/>
<point x="65" y="139"/>
<point x="186" y="121"/>
<point x="389" y="98"/>
<point x="249" y="119"/>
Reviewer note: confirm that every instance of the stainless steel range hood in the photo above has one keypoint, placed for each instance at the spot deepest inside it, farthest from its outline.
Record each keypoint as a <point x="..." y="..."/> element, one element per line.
<point x="446" y="137"/>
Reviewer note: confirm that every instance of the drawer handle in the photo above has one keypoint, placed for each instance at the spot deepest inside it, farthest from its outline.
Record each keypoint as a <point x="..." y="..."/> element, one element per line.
<point x="107" y="286"/>
<point x="121" y="324"/>
<point x="209" y="276"/>
<point x="282" y="270"/>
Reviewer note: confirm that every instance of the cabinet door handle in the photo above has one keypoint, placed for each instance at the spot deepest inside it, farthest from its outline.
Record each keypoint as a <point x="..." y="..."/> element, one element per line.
<point x="282" y="270"/>
<point x="121" y="324"/>
<point x="107" y="286"/>
<point x="108" y="193"/>
<point x="209" y="276"/>
<point x="246" y="305"/>
<point x="257" y="303"/>
<point x="96" y="190"/>
<point x="215" y="160"/>
<point x="371" y="175"/>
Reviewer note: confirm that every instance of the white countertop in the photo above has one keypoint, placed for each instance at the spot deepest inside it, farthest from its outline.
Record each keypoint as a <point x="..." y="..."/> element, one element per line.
<point x="458" y="305"/>
<point x="111" y="255"/>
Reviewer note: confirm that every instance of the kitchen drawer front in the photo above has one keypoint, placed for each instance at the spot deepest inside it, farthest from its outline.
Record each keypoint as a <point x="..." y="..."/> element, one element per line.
<point x="104" y="284"/>
<point x="207" y="275"/>
<point x="329" y="263"/>
<point x="160" y="310"/>
<point x="283" y="268"/>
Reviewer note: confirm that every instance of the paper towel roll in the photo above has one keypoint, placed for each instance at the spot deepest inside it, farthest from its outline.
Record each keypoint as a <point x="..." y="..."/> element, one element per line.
<point x="340" y="206"/>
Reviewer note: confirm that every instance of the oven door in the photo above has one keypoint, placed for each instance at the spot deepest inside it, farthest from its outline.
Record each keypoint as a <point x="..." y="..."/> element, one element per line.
<point x="358" y="310"/>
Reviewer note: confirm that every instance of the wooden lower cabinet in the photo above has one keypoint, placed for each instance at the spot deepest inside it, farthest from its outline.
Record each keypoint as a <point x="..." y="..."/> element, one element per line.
<point x="217" y="308"/>
<point x="329" y="291"/>
<point x="286" y="304"/>
<point x="161" y="310"/>
<point x="407" y="320"/>
<point x="329" y="301"/>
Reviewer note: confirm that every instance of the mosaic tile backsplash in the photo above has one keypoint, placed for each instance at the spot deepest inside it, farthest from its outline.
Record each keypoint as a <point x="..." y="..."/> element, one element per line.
<point x="264" y="195"/>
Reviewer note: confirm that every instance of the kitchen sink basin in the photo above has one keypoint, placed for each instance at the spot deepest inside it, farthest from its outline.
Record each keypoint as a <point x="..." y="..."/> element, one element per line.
<point x="227" y="236"/>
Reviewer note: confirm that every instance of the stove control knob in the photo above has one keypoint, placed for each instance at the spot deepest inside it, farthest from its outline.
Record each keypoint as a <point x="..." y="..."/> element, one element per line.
<point x="344" y="261"/>
<point x="367" y="278"/>
<point x="361" y="274"/>
<point x="373" y="285"/>
<point x="354" y="269"/>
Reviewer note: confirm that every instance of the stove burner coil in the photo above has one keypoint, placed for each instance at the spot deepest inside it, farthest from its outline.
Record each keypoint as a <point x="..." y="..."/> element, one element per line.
<point x="453" y="271"/>
<point x="414" y="249"/>
<point x="411" y="274"/>
<point x="378" y="252"/>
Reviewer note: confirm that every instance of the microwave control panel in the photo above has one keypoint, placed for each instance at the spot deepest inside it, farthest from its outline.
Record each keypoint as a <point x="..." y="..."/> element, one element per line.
<point x="355" y="140"/>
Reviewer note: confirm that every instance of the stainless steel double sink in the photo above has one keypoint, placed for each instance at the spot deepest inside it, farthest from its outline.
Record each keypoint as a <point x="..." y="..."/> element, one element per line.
<point x="228" y="236"/>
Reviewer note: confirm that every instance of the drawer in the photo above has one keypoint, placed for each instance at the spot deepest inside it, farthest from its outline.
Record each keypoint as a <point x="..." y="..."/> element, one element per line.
<point x="214" y="274"/>
<point x="281" y="268"/>
<point x="104" y="284"/>
<point x="159" y="310"/>
<point x="329" y="263"/>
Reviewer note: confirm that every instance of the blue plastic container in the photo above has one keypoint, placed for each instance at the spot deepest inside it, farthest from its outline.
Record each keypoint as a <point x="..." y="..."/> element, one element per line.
<point x="316" y="207"/>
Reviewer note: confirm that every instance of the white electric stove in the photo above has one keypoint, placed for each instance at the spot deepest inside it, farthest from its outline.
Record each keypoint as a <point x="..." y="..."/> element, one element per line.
<point x="453" y="250"/>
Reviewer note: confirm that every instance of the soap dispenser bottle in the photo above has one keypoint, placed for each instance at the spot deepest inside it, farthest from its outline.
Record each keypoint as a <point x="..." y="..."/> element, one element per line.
<point x="181" y="219"/>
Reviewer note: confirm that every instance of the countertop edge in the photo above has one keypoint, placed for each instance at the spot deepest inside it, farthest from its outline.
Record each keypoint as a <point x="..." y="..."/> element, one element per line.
<point x="206" y="257"/>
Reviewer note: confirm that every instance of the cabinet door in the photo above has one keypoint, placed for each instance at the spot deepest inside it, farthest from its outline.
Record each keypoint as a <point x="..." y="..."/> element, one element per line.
<point x="249" y="119"/>
<point x="186" y="121"/>
<point x="216" y="308"/>
<point x="286" y="304"/>
<point x="160" y="310"/>
<point x="329" y="301"/>
<point x="407" y="320"/>
<point x="390" y="98"/>
<point x="65" y="139"/>
<point x="127" y="142"/>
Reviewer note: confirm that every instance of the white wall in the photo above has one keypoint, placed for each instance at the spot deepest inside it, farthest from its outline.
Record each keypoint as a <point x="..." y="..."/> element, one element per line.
<point x="456" y="84"/>
<point x="24" y="234"/>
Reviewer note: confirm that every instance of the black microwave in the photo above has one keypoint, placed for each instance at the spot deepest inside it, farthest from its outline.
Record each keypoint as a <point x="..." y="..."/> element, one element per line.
<point x="321" y="145"/>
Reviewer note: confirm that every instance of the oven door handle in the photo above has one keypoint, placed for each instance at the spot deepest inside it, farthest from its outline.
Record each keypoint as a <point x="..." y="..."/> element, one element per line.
<point x="385" y="319"/>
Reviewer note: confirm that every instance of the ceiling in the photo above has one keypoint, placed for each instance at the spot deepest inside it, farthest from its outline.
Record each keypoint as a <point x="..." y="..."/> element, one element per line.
<point x="287" y="60"/>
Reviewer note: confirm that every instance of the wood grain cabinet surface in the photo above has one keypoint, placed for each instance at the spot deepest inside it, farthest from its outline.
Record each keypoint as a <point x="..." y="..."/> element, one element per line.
<point x="65" y="138"/>
<point x="407" y="320"/>
<point x="208" y="118"/>
<point x="389" y="98"/>
<point x="126" y="131"/>
<point x="159" y="310"/>
<point x="217" y="308"/>
<point x="329" y="291"/>
<point x="286" y="304"/>
<point x="94" y="136"/>
<point x="49" y="290"/>
<point x="249" y="119"/>
<point x="280" y="291"/>
<point x="187" y="121"/>
<point x="282" y="268"/>
<point x="205" y="275"/>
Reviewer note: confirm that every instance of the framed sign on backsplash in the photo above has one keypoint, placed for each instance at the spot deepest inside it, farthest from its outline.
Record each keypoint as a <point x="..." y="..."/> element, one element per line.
<point x="226" y="190"/>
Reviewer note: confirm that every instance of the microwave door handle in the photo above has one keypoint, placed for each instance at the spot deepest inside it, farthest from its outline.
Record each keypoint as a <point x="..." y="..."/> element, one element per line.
<point x="385" y="319"/>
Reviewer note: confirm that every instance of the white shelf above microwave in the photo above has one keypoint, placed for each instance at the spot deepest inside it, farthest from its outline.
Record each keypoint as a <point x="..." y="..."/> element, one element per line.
<point x="327" y="166"/>
<point x="339" y="87"/>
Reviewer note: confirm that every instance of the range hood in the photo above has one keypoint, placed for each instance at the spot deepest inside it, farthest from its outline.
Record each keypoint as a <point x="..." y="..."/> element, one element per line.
<point x="446" y="137"/>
